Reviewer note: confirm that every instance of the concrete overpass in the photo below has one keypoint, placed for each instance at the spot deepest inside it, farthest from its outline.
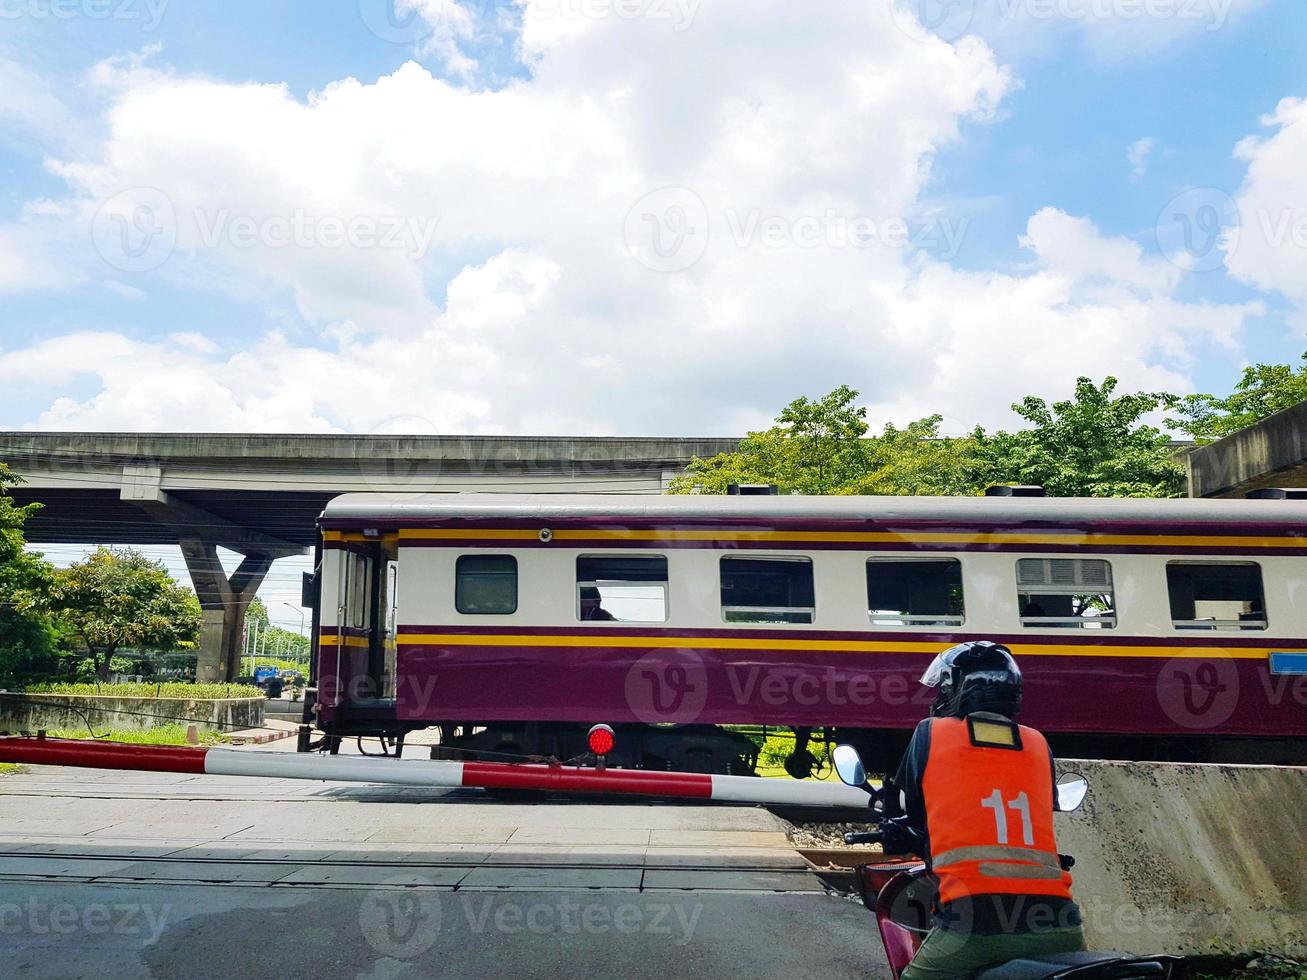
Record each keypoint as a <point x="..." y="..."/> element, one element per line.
<point x="1269" y="453"/>
<point x="260" y="495"/>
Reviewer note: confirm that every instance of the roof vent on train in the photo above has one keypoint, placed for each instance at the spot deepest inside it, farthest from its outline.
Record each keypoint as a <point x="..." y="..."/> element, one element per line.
<point x="1278" y="493"/>
<point x="752" y="489"/>
<point x="1004" y="490"/>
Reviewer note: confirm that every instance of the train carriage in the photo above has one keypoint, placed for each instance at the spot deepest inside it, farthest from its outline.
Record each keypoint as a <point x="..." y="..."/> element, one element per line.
<point x="1144" y="628"/>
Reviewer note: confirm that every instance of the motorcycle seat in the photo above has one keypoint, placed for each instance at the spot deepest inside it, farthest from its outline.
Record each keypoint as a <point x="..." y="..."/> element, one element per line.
<point x="1085" y="965"/>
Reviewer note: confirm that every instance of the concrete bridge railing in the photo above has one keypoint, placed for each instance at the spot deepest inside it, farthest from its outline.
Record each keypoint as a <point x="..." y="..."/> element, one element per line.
<point x="70" y="712"/>
<point x="1190" y="859"/>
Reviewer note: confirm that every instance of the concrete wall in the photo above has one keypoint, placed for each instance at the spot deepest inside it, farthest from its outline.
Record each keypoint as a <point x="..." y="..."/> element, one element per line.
<point x="1269" y="453"/>
<point x="67" y="712"/>
<point x="1190" y="858"/>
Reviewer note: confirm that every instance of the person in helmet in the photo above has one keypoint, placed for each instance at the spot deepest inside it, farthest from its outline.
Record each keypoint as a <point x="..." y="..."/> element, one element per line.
<point x="978" y="792"/>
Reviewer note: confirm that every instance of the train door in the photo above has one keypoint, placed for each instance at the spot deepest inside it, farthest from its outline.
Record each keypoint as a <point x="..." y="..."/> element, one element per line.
<point x="367" y="613"/>
<point x="355" y="609"/>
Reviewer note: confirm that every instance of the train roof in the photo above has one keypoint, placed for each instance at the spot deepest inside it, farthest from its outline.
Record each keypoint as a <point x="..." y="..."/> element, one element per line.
<point x="401" y="508"/>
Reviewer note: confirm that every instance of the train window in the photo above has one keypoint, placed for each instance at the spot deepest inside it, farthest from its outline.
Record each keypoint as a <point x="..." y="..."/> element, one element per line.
<point x="392" y="597"/>
<point x="1216" y="595"/>
<point x="485" y="585"/>
<point x="767" y="590"/>
<point x="916" y="592"/>
<point x="357" y="580"/>
<point x="621" y="588"/>
<point x="1066" y="593"/>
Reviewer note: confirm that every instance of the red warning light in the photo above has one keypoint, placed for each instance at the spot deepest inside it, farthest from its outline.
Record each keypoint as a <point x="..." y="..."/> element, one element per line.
<point x="601" y="740"/>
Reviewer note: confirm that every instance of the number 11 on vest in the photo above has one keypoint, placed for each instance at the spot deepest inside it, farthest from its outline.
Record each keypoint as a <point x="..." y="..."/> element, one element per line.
<point x="994" y="801"/>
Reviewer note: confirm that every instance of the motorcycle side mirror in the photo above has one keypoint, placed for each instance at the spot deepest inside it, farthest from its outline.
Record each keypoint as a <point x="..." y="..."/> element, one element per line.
<point x="848" y="764"/>
<point x="1071" y="791"/>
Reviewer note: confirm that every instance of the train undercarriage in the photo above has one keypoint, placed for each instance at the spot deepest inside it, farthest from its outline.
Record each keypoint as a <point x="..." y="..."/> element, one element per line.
<point x="735" y="750"/>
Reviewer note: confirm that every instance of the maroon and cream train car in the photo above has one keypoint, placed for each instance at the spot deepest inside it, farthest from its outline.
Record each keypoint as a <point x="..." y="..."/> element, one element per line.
<point x="1144" y="628"/>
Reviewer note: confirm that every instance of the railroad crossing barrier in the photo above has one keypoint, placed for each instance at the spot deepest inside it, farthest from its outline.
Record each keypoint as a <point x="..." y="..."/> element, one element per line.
<point x="414" y="772"/>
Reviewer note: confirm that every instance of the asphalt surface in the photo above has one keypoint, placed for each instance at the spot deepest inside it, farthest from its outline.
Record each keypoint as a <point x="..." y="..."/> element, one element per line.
<point x="110" y="875"/>
<point x="130" y="931"/>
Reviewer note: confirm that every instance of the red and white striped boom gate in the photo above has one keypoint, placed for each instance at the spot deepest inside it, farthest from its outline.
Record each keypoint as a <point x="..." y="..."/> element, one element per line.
<point x="415" y="772"/>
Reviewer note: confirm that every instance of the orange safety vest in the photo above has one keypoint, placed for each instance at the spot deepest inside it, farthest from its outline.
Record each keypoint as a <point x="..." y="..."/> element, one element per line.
<point x="989" y="813"/>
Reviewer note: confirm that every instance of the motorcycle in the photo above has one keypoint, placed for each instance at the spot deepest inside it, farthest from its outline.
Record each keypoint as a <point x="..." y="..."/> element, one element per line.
<point x="902" y="895"/>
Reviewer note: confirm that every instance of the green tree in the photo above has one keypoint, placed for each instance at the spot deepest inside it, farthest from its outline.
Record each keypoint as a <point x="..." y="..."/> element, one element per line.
<point x="256" y="615"/>
<point x="917" y="461"/>
<point x="116" y="600"/>
<point x="1094" y="445"/>
<point x="284" y="644"/>
<point x="1263" y="390"/>
<point x="28" y="638"/>
<point x="11" y="516"/>
<point x="273" y="641"/>
<point x="822" y="446"/>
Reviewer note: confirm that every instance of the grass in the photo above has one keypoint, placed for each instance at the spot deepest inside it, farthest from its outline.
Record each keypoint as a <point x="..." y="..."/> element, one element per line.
<point x="169" y="689"/>
<point x="163" y="735"/>
<point x="1267" y="967"/>
<point x="9" y="768"/>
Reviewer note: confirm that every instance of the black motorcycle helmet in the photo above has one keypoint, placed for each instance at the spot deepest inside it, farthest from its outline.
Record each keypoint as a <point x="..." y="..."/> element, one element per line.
<point x="976" y="676"/>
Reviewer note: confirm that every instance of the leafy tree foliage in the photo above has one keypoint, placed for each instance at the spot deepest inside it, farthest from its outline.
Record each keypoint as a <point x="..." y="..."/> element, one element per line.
<point x="28" y="638"/>
<point x="11" y="516"/>
<point x="118" y="599"/>
<point x="256" y="615"/>
<point x="822" y="446"/>
<point x="917" y="460"/>
<point x="1263" y="390"/>
<point x="1093" y="445"/>
<point x="273" y="640"/>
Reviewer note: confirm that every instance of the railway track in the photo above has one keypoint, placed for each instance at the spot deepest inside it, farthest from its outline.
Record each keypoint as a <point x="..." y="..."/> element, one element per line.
<point x="501" y="873"/>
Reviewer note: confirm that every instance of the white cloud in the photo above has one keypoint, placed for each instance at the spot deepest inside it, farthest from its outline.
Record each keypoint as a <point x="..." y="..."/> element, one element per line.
<point x="1091" y="305"/>
<point x="529" y="312"/>
<point x="448" y="26"/>
<point x="30" y="108"/>
<point x="1111" y="30"/>
<point x="30" y="258"/>
<point x="1139" y="155"/>
<point x="1270" y="249"/>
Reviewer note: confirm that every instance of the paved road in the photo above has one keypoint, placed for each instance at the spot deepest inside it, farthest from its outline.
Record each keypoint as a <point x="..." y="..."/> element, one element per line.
<point x="160" y="875"/>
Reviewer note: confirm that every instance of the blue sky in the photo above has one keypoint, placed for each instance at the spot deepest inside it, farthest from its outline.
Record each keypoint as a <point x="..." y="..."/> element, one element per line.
<point x="636" y="216"/>
<point x="1080" y="82"/>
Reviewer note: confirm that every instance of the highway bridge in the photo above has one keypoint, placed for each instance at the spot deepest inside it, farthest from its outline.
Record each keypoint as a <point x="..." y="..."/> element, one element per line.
<point x="260" y="495"/>
<point x="1266" y="454"/>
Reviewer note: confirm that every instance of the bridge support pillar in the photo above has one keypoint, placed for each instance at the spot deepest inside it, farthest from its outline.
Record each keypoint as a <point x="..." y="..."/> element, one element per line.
<point x="223" y="601"/>
<point x="223" y="598"/>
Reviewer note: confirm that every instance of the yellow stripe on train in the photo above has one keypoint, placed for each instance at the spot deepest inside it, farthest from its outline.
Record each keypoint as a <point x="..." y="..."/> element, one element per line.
<point x="817" y="646"/>
<point x="1082" y="539"/>
<point x="331" y="642"/>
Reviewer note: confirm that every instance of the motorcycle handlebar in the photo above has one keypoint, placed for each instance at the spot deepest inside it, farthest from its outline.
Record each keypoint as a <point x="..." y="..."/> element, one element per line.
<point x="870" y="838"/>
